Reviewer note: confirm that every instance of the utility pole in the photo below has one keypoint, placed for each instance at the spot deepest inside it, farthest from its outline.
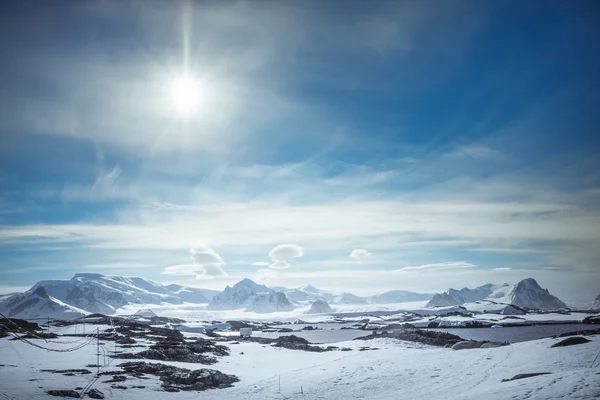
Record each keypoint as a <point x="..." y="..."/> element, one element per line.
<point x="97" y="351"/>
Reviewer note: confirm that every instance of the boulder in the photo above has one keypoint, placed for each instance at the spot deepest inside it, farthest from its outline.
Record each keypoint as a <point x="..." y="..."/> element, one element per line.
<point x="571" y="341"/>
<point x="95" y="394"/>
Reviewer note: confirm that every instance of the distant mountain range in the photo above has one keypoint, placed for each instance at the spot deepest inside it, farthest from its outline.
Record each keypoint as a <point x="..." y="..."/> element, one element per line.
<point x="525" y="294"/>
<point x="597" y="302"/>
<point x="96" y="293"/>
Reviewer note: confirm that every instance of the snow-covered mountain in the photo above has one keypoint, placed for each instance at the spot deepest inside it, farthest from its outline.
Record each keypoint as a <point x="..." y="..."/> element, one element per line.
<point x="526" y="294"/>
<point x="305" y="293"/>
<point x="319" y="307"/>
<point x="36" y="303"/>
<point x="268" y="302"/>
<point x="252" y="297"/>
<point x="96" y="293"/>
<point x="398" y="296"/>
<point x="597" y="302"/>
<point x="349" y="298"/>
<point x="192" y="295"/>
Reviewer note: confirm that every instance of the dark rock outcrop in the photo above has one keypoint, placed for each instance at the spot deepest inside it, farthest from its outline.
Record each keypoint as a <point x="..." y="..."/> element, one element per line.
<point x="64" y="393"/>
<point x="95" y="394"/>
<point x="201" y="351"/>
<point x="175" y="379"/>
<point x="523" y="376"/>
<point x="294" y="342"/>
<point x="571" y="341"/>
<point x="431" y="338"/>
<point x="592" y="320"/>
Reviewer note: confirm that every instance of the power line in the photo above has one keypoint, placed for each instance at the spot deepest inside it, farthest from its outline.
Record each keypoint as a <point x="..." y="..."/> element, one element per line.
<point x="35" y="375"/>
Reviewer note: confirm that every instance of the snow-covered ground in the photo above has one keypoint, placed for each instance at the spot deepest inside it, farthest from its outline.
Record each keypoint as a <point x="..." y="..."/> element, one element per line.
<point x="391" y="370"/>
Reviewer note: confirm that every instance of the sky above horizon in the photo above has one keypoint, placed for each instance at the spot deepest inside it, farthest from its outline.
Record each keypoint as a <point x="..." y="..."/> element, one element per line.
<point x="359" y="146"/>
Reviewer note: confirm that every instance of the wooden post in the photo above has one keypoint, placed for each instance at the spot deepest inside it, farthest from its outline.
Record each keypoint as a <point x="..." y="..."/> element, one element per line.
<point x="97" y="351"/>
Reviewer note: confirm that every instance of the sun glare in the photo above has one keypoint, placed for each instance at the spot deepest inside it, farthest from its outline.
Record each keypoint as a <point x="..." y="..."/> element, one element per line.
<point x="185" y="93"/>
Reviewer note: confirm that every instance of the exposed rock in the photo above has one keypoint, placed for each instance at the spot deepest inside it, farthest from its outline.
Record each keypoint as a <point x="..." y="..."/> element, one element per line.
<point x="95" y="394"/>
<point x="585" y="332"/>
<point x="285" y="330"/>
<point x="571" y="341"/>
<point x="179" y="350"/>
<point x="592" y="320"/>
<point x="64" y="393"/>
<point x="16" y="325"/>
<point x="431" y="338"/>
<point x="69" y="372"/>
<point x="294" y="342"/>
<point x="319" y="307"/>
<point x="176" y="379"/>
<point x="116" y="378"/>
<point x="125" y="340"/>
<point x="237" y="325"/>
<point x="523" y="376"/>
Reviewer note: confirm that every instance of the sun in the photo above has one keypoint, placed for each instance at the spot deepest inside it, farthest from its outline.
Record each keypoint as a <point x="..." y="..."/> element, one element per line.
<point x="185" y="93"/>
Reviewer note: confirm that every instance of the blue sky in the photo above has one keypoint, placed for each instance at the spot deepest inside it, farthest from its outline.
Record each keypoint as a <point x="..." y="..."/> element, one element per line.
<point x="350" y="145"/>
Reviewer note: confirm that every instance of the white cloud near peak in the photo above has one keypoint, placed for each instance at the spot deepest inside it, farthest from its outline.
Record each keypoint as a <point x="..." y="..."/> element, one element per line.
<point x="284" y="254"/>
<point x="360" y="255"/>
<point x="206" y="264"/>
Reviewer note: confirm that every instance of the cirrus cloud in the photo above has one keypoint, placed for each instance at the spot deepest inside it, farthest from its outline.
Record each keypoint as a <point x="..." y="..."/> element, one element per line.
<point x="443" y="266"/>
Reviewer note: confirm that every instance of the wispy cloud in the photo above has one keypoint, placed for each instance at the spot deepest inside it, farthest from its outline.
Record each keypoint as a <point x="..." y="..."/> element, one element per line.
<point x="476" y="151"/>
<point x="445" y="266"/>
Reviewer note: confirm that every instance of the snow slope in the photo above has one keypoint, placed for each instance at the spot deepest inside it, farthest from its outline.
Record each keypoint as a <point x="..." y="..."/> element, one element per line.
<point x="390" y="370"/>
<point x="597" y="302"/>
<point x="35" y="304"/>
<point x="526" y="294"/>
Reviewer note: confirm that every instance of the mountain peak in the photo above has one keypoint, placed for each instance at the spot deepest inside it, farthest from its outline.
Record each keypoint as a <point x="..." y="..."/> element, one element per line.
<point x="310" y="289"/>
<point x="530" y="282"/>
<point x="41" y="292"/>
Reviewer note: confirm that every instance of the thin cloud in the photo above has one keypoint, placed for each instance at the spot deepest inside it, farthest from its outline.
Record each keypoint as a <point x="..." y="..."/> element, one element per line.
<point x="476" y="151"/>
<point x="445" y="266"/>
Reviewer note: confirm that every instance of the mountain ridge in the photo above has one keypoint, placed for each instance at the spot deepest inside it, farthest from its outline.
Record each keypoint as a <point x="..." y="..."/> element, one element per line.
<point x="527" y="294"/>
